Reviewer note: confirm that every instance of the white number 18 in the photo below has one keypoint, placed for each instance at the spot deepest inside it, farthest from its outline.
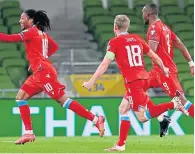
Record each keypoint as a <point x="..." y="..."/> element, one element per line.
<point x="132" y="55"/>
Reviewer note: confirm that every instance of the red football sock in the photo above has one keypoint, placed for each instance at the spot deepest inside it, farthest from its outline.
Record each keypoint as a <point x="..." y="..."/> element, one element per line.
<point x="25" y="116"/>
<point x="190" y="108"/>
<point x="124" y="130"/>
<point x="191" y="111"/>
<point x="81" y="111"/>
<point x="156" y="110"/>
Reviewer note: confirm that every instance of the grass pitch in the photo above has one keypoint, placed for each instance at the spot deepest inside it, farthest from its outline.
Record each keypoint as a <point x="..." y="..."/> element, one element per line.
<point x="135" y="144"/>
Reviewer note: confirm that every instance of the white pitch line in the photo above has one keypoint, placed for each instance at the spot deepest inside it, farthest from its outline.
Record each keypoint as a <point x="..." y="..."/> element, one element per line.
<point x="7" y="141"/>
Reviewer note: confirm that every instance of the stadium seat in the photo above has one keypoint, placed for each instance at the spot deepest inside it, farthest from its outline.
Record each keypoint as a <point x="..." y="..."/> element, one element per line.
<point x="189" y="43"/>
<point x="183" y="67"/>
<point x="191" y="50"/>
<point x="4" y="78"/>
<point x="179" y="60"/>
<point x="180" y="27"/>
<point x="188" y="3"/>
<point x="90" y="3"/>
<point x="22" y="50"/>
<point x="135" y="28"/>
<point x="138" y="11"/>
<point x="191" y="91"/>
<point x="104" y="38"/>
<point x="168" y="3"/>
<point x="135" y="20"/>
<point x="122" y="10"/>
<point x="17" y="74"/>
<point x="15" y="29"/>
<point x="14" y="62"/>
<point x="1" y="22"/>
<point x="118" y="3"/>
<point x="7" y="85"/>
<point x="9" y="55"/>
<point x="21" y="47"/>
<point x="148" y="63"/>
<point x="147" y="60"/>
<point x="192" y="18"/>
<point x="3" y="29"/>
<point x="189" y="10"/>
<point x="162" y="18"/>
<point x="138" y="6"/>
<point x="2" y="71"/>
<point x="91" y="12"/>
<point x="171" y="10"/>
<point x="177" y="52"/>
<point x="12" y="21"/>
<point x="188" y="84"/>
<point x="175" y="19"/>
<point x="96" y="20"/>
<point x="138" y="3"/>
<point x="9" y="4"/>
<point x="184" y="76"/>
<point x="186" y="36"/>
<point x="8" y="47"/>
<point x="103" y="28"/>
<point x="10" y="12"/>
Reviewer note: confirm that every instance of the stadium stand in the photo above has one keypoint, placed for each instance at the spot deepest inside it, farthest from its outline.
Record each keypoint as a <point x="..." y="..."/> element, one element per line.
<point x="99" y="21"/>
<point x="12" y="63"/>
<point x="180" y="20"/>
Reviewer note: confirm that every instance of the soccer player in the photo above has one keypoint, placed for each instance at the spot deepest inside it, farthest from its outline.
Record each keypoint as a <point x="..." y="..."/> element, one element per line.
<point x="128" y="49"/>
<point x="162" y="40"/>
<point x="40" y="46"/>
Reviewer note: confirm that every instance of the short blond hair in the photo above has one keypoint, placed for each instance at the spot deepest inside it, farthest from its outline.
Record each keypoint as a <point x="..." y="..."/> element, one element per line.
<point x="122" y="21"/>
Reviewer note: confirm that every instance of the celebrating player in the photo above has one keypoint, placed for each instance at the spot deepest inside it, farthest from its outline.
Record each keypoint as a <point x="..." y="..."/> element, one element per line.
<point x="40" y="46"/>
<point x="162" y="40"/>
<point x="128" y="49"/>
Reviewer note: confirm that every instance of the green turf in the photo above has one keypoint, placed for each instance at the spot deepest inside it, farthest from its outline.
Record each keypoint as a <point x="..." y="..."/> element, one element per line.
<point x="135" y="144"/>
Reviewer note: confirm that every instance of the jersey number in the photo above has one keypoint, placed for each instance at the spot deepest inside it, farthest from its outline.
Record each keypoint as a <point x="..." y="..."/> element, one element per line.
<point x="48" y="87"/>
<point x="45" y="47"/>
<point x="168" y="43"/>
<point x="134" y="58"/>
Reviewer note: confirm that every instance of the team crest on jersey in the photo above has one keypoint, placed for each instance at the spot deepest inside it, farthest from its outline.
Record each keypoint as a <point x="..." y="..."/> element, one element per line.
<point x="152" y="32"/>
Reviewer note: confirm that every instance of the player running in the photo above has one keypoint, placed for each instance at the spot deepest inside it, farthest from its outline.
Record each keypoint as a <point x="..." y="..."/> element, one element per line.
<point x="40" y="46"/>
<point x="162" y="40"/>
<point x="128" y="49"/>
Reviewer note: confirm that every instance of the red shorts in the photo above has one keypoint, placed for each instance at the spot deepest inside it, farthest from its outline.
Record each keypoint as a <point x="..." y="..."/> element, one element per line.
<point x="169" y="84"/>
<point x="44" y="80"/>
<point x="136" y="94"/>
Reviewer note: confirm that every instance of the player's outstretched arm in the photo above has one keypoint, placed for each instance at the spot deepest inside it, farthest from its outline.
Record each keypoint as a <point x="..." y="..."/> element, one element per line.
<point x="156" y="59"/>
<point x="100" y="71"/>
<point x="11" y="38"/>
<point x="179" y="44"/>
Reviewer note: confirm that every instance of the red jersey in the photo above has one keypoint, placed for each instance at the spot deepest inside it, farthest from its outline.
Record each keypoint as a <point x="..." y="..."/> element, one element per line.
<point x="128" y="50"/>
<point x="160" y="33"/>
<point x="39" y="46"/>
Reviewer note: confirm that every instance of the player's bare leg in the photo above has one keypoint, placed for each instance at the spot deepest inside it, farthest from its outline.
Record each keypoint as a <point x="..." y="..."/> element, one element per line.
<point x="21" y="99"/>
<point x="124" y="126"/>
<point x="144" y="115"/>
<point x="83" y="112"/>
